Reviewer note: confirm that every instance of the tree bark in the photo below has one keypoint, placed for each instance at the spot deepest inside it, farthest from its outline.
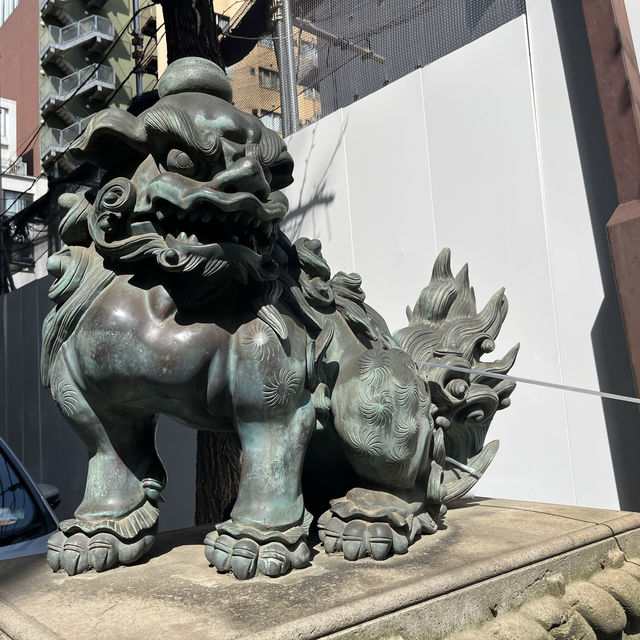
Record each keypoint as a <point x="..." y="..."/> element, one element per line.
<point x="191" y="30"/>
<point x="217" y="476"/>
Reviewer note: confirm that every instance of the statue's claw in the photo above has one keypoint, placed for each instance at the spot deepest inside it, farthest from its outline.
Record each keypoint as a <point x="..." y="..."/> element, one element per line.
<point x="358" y="538"/>
<point x="245" y="557"/>
<point x="74" y="557"/>
<point x="55" y="544"/>
<point x="80" y="552"/>
<point x="374" y="523"/>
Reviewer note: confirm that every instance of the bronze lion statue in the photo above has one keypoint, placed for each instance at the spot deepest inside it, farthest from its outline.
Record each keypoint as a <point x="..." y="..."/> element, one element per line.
<point x="177" y="293"/>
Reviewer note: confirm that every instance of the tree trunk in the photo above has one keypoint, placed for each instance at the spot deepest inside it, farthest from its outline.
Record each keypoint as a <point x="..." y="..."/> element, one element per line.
<point x="191" y="30"/>
<point x="217" y="476"/>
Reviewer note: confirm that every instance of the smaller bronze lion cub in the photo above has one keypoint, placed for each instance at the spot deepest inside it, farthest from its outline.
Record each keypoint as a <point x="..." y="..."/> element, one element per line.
<point x="177" y="293"/>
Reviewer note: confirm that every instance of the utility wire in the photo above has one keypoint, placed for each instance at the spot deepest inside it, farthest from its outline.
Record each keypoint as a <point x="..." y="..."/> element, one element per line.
<point x="111" y="97"/>
<point x="97" y="64"/>
<point x="32" y="241"/>
<point x="540" y="383"/>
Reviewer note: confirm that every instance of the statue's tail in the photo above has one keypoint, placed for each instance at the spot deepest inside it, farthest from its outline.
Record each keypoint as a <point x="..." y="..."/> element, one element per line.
<point x="446" y="337"/>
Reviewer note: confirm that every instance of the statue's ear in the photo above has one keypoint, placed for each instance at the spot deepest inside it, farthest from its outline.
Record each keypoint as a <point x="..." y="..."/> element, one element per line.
<point x="113" y="140"/>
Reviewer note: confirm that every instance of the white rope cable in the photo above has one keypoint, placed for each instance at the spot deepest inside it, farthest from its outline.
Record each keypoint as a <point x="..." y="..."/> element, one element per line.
<point x="540" y="383"/>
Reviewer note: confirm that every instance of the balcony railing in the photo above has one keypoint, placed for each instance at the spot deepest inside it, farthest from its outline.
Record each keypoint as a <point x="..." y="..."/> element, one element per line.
<point x="94" y="29"/>
<point x="54" y="142"/>
<point x="56" y="90"/>
<point x="17" y="168"/>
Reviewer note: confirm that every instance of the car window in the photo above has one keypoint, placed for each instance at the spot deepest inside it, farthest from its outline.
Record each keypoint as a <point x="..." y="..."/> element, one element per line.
<point x="21" y="518"/>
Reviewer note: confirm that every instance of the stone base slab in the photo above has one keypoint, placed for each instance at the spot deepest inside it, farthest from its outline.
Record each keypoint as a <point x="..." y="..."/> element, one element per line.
<point x="498" y="563"/>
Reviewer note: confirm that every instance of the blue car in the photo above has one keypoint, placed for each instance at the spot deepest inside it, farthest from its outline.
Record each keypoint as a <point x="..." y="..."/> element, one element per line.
<point x="26" y="509"/>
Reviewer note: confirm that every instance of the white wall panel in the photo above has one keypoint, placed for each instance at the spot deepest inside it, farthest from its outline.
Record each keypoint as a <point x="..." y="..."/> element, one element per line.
<point x="478" y="152"/>
<point x="578" y="200"/>
<point x="633" y="13"/>
<point x="488" y="209"/>
<point x="319" y="195"/>
<point x="390" y="196"/>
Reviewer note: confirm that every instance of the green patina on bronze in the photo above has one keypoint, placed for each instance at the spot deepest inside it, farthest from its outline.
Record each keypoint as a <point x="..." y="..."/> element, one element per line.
<point x="177" y="293"/>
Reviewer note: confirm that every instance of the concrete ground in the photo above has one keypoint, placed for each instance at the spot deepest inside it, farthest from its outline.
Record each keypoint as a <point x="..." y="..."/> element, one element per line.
<point x="493" y="556"/>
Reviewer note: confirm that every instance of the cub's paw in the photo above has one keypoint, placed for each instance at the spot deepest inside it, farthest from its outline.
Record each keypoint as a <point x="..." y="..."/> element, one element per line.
<point x="80" y="552"/>
<point x="245" y="557"/>
<point x="374" y="523"/>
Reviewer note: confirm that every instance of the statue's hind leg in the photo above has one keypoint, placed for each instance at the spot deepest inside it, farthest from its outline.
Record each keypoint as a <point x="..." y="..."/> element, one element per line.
<point x="116" y="522"/>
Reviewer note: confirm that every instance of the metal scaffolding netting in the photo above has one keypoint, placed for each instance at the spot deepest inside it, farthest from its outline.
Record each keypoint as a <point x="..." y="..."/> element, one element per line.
<point x="317" y="56"/>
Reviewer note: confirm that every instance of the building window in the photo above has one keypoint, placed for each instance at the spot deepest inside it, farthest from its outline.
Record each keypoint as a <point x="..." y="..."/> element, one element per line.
<point x="269" y="79"/>
<point x="4" y="114"/>
<point x="272" y="120"/>
<point x="6" y="9"/>
<point x="22" y="258"/>
<point x="222" y="22"/>
<point x="311" y="93"/>
<point x="309" y="53"/>
<point x="15" y="201"/>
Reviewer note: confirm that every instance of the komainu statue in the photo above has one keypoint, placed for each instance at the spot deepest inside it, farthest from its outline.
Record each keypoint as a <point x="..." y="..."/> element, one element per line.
<point x="177" y="293"/>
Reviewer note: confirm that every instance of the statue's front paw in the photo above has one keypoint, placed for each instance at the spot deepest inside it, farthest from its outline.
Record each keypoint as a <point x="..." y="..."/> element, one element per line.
<point x="245" y="557"/>
<point x="80" y="552"/>
<point x="101" y="543"/>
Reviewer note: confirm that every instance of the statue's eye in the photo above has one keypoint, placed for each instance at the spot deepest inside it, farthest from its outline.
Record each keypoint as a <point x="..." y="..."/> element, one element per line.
<point x="180" y="162"/>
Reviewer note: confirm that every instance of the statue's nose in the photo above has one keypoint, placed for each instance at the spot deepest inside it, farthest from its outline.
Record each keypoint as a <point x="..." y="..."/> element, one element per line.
<point x="244" y="175"/>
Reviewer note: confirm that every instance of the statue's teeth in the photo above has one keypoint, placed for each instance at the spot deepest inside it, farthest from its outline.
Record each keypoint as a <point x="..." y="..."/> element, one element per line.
<point x="160" y="215"/>
<point x="181" y="214"/>
<point x="220" y="215"/>
<point x="206" y="216"/>
<point x="192" y="239"/>
<point x="182" y="237"/>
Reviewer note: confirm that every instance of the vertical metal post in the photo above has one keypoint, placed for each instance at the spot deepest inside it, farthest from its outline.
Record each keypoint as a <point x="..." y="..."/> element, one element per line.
<point x="286" y="66"/>
<point x="137" y="61"/>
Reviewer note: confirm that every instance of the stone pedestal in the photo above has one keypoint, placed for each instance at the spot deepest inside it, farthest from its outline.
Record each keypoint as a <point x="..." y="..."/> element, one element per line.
<point x="500" y="568"/>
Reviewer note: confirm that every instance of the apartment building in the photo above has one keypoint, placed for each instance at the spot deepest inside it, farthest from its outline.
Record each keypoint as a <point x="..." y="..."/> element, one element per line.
<point x="255" y="79"/>
<point x="60" y="62"/>
<point x="18" y="189"/>
<point x="86" y="61"/>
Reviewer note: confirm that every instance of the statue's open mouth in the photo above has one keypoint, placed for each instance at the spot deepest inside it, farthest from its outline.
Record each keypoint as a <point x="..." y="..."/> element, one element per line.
<point x="205" y="221"/>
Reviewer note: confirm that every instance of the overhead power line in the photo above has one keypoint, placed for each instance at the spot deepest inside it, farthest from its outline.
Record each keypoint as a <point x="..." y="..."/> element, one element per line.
<point x="84" y="82"/>
<point x="107" y="102"/>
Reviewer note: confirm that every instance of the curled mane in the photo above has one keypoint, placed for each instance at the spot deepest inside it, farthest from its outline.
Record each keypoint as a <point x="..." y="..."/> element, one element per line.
<point x="304" y="284"/>
<point x="80" y="278"/>
<point x="309" y="289"/>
